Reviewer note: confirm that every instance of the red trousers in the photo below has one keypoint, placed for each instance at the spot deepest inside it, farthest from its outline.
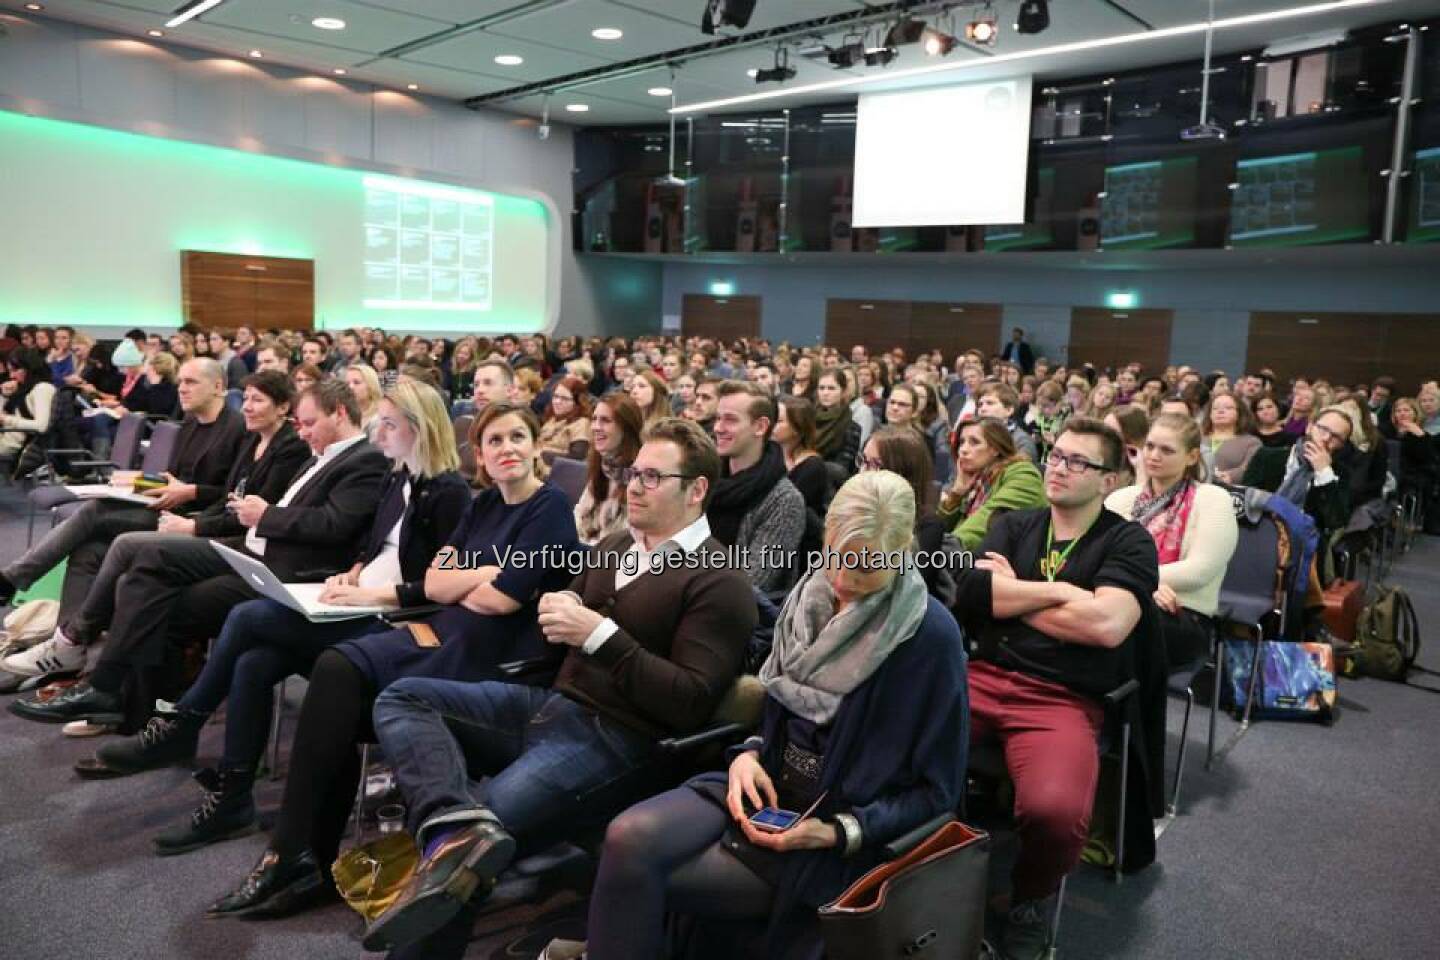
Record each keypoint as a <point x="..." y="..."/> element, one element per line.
<point x="1050" y="736"/>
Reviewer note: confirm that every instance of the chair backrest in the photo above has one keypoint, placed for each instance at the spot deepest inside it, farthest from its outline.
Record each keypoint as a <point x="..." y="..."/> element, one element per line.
<point x="1253" y="568"/>
<point x="569" y="475"/>
<point x="1392" y="454"/>
<point x="161" y="451"/>
<point x="125" y="449"/>
<point x="461" y="425"/>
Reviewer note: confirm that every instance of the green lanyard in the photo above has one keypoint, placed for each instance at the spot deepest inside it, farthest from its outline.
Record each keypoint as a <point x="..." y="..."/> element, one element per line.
<point x="1050" y="565"/>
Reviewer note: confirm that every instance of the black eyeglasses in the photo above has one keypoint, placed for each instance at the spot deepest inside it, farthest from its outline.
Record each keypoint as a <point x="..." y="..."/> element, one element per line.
<point x="649" y="478"/>
<point x="863" y="462"/>
<point x="1074" y="464"/>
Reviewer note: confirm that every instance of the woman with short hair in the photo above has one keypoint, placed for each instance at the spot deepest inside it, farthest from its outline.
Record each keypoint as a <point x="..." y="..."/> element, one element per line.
<point x="865" y="728"/>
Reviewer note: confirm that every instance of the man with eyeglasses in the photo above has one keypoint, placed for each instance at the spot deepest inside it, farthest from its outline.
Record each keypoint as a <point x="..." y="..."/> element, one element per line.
<point x="1055" y="604"/>
<point x="1310" y="474"/>
<point x="654" y="635"/>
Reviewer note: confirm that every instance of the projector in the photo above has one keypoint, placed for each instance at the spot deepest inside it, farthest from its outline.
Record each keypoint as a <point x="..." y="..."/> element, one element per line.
<point x="543" y="131"/>
<point x="1203" y="131"/>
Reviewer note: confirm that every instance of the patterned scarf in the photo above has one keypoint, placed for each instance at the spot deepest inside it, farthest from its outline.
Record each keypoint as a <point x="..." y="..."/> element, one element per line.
<point x="1165" y="516"/>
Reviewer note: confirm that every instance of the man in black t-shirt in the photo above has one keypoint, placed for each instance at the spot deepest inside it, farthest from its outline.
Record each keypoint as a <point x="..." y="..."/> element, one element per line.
<point x="1059" y="594"/>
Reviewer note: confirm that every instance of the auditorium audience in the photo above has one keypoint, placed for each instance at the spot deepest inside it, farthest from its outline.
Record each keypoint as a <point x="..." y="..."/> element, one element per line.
<point x="616" y="426"/>
<point x="991" y="477"/>
<point x="653" y="659"/>
<point x="488" y="617"/>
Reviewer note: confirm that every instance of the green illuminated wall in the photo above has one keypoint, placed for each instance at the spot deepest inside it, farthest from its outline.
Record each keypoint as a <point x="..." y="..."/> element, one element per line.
<point x="92" y="222"/>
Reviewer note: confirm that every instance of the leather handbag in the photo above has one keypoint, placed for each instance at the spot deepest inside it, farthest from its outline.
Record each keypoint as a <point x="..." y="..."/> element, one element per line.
<point x="927" y="903"/>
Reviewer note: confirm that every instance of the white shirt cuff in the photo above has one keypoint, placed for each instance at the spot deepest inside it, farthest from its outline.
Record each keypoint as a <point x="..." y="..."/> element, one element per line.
<point x="1323" y="477"/>
<point x="602" y="632"/>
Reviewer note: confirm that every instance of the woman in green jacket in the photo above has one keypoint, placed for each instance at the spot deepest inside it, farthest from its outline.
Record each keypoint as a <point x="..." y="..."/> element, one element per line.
<point x="990" y="475"/>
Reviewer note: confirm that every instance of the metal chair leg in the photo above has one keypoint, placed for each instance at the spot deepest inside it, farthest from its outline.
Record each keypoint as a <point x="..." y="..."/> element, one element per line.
<point x="1250" y="690"/>
<point x="1219" y="669"/>
<point x="277" y="722"/>
<point x="358" y="812"/>
<point x="1124" y="789"/>
<point x="1053" y="949"/>
<point x="1173" y="807"/>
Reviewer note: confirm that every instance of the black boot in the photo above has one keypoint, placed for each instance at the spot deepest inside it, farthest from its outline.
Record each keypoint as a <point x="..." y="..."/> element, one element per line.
<point x="168" y="739"/>
<point x="226" y="811"/>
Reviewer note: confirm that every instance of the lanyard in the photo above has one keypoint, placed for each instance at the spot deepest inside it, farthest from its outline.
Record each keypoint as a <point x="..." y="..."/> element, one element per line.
<point x="1051" y="565"/>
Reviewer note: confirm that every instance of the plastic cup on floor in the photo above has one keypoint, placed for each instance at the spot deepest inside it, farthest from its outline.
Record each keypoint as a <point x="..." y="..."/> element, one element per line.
<point x="391" y="818"/>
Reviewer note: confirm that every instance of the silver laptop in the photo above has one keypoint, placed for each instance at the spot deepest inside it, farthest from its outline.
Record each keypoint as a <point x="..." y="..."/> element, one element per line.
<point x="301" y="597"/>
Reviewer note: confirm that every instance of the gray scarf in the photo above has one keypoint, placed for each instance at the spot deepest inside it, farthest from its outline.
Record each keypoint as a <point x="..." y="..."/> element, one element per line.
<point x="818" y="657"/>
<point x="1298" y="474"/>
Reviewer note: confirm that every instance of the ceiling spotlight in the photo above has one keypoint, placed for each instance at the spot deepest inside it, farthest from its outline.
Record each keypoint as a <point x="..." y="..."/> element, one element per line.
<point x="982" y="29"/>
<point x="256" y="55"/>
<point x="156" y="33"/>
<point x="412" y="86"/>
<point x="726" y="13"/>
<point x="659" y="91"/>
<point x="906" y="30"/>
<point x="578" y="107"/>
<point x="509" y="60"/>
<point x="880" y="56"/>
<point x="843" y="58"/>
<point x="328" y="23"/>
<point x="937" y="43"/>
<point x="1033" y="16"/>
<point x="779" y="73"/>
<point x="607" y="33"/>
<point x="36" y="7"/>
<point x="339" y="71"/>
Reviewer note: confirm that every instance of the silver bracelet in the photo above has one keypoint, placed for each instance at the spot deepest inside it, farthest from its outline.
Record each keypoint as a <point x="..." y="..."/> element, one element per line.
<point x="850" y="826"/>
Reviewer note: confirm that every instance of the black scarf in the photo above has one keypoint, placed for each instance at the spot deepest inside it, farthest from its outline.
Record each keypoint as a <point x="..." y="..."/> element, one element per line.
<point x="737" y="494"/>
<point x="831" y="427"/>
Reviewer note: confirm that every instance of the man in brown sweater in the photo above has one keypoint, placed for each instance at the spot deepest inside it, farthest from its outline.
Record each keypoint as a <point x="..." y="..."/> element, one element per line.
<point x="656" y="632"/>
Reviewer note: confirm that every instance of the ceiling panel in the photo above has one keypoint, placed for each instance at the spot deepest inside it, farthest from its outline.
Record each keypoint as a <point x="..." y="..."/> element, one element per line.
<point x="367" y="28"/>
<point x="454" y="11"/>
<point x="568" y="27"/>
<point x="437" y="81"/>
<point x="602" y="112"/>
<point x="476" y="52"/>
<point x="634" y="89"/>
<point x="768" y="13"/>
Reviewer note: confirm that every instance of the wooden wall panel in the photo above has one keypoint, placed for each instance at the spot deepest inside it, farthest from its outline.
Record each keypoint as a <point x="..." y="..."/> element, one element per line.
<point x="1109" y="338"/>
<point x="917" y="325"/>
<point x="1344" y="348"/>
<point x="227" y="290"/>
<point x="955" y="327"/>
<point x="719" y="318"/>
<point x="879" y="325"/>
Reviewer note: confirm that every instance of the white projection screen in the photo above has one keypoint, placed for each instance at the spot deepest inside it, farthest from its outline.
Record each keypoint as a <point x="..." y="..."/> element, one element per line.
<point x="941" y="156"/>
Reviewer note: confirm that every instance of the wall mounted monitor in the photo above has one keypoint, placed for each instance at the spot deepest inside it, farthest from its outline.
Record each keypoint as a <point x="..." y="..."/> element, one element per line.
<point x="1149" y="205"/>
<point x="1296" y="199"/>
<point x="1425" y="197"/>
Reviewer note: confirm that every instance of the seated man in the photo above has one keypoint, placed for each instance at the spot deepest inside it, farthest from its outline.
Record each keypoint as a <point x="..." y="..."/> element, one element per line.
<point x="312" y="532"/>
<point x="209" y="441"/>
<point x="1309" y="474"/>
<point x="655" y="644"/>
<point x="1065" y="589"/>
<point x="755" y="507"/>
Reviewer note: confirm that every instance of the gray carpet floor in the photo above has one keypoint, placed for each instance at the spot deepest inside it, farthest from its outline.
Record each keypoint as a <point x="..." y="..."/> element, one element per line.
<point x="1305" y="842"/>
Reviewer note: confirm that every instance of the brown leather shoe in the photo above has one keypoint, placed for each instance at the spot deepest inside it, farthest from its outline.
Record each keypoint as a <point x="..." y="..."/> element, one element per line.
<point x="443" y="883"/>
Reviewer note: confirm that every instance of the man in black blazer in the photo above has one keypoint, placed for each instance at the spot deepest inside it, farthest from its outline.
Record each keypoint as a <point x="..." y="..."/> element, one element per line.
<point x="179" y="586"/>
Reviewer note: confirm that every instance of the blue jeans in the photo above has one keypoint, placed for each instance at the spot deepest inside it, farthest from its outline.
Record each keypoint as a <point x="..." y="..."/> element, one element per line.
<point x="262" y="643"/>
<point x="543" y="753"/>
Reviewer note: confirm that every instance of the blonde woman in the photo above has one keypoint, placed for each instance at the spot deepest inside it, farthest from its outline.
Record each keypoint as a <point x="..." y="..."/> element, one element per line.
<point x="364" y="382"/>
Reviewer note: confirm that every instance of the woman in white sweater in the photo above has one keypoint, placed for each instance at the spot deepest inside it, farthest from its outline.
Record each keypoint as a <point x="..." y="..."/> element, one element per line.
<point x="26" y="400"/>
<point x="1194" y="528"/>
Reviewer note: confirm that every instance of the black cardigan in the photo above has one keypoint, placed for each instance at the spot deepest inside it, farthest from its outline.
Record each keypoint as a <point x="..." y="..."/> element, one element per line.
<point x="267" y="478"/>
<point x="436" y="506"/>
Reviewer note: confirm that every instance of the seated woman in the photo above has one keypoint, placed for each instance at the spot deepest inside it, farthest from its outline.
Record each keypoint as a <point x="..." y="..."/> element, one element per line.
<point x="1419" y="452"/>
<point x="650" y="394"/>
<point x="837" y="432"/>
<point x="990" y="475"/>
<point x="1268" y="425"/>
<point x="1193" y="525"/>
<point x="27" y="402"/>
<point x="489" y="617"/>
<point x="364" y="382"/>
<point x="305" y="376"/>
<point x="615" y="429"/>
<point x="873" y="748"/>
<point x="795" y="433"/>
<point x="902" y="451"/>
<point x="1228" y="436"/>
<point x="1133" y="424"/>
<point x="566" y="432"/>
<point x="264" y="641"/>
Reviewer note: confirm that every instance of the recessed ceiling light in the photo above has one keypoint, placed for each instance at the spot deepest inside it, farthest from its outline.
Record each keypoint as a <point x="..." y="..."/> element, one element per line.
<point x="659" y="91"/>
<point x="339" y="71"/>
<point x="577" y="107"/>
<point x="156" y="33"/>
<point x="412" y="86"/>
<point x="509" y="60"/>
<point x="753" y="72"/>
<point x="37" y="7"/>
<point x="256" y="55"/>
<point x="328" y="23"/>
<point x="607" y="33"/>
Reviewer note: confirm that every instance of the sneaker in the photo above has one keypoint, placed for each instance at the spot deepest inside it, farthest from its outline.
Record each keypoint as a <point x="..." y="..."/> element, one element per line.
<point x="84" y="728"/>
<point x="564" y="950"/>
<point x="49" y="657"/>
<point x="226" y="811"/>
<point x="167" y="739"/>
<point x="1027" y="929"/>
